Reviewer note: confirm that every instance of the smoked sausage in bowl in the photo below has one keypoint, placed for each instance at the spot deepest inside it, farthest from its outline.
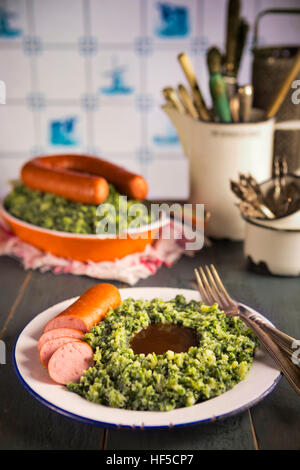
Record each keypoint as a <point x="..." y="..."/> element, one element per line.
<point x="56" y="206"/>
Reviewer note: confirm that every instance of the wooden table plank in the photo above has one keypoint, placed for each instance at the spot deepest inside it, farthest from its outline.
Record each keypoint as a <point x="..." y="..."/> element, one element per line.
<point x="276" y="419"/>
<point x="181" y="274"/>
<point x="12" y="278"/>
<point x="229" y="434"/>
<point x="24" y="423"/>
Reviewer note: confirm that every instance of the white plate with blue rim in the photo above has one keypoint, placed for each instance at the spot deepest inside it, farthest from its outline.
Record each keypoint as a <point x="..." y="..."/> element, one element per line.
<point x="261" y="380"/>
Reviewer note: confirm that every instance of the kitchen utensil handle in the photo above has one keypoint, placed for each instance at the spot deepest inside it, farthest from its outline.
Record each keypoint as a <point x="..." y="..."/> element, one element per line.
<point x="288" y="343"/>
<point x="283" y="11"/>
<point x="288" y="125"/>
<point x="290" y="370"/>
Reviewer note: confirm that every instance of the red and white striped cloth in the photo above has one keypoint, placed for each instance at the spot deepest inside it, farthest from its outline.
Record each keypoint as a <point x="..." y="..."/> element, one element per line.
<point x="129" y="269"/>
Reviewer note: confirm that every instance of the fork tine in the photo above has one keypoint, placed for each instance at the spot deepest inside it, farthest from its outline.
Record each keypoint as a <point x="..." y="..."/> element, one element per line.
<point x="221" y="285"/>
<point x="220" y="296"/>
<point x="207" y="287"/>
<point x="201" y="287"/>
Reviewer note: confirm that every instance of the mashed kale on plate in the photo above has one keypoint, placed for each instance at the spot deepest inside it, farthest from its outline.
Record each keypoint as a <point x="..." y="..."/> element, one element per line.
<point x="122" y="379"/>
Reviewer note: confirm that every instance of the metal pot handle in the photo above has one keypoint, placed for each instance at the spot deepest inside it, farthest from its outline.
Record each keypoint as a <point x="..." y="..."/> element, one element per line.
<point x="291" y="11"/>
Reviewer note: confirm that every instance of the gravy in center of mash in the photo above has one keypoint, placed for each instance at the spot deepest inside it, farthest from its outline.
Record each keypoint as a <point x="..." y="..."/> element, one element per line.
<point x="159" y="338"/>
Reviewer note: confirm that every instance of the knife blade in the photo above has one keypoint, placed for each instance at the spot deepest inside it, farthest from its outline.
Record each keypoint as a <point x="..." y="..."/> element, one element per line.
<point x="188" y="70"/>
<point x="233" y="13"/>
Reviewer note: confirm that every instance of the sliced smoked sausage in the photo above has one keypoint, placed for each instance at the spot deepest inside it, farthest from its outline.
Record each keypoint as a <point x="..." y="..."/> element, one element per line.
<point x="68" y="362"/>
<point x="59" y="333"/>
<point x="51" y="346"/>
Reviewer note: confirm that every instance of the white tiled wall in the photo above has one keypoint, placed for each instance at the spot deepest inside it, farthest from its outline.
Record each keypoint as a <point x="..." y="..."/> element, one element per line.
<point x="86" y="76"/>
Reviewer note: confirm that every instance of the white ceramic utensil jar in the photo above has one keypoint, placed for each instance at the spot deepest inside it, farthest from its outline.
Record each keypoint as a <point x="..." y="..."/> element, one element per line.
<point x="217" y="152"/>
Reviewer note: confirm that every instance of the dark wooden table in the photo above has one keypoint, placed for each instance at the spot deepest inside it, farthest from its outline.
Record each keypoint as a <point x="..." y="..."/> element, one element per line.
<point x="26" y="424"/>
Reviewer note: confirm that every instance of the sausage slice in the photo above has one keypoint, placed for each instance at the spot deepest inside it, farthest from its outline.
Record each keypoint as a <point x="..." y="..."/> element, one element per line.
<point x="68" y="362"/>
<point x="51" y="346"/>
<point x="59" y="333"/>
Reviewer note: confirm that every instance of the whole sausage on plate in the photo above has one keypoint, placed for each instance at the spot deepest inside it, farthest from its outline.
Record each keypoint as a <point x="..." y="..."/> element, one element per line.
<point x="88" y="310"/>
<point x="68" y="362"/>
<point x="81" y="178"/>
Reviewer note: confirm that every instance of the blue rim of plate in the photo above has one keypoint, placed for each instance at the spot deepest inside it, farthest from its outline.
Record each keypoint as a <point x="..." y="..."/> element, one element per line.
<point x="104" y="424"/>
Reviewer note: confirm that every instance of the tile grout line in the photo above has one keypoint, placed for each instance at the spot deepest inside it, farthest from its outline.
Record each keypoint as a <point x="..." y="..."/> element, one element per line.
<point x="253" y="431"/>
<point x="16" y="303"/>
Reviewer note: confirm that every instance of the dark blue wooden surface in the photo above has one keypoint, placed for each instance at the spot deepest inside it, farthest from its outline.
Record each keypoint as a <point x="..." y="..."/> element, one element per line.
<point x="26" y="424"/>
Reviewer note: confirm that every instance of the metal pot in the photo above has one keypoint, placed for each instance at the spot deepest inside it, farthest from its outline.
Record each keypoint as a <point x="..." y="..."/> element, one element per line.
<point x="269" y="67"/>
<point x="273" y="246"/>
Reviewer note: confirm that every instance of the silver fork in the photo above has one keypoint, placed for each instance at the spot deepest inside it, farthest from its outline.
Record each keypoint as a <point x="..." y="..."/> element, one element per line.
<point x="278" y="344"/>
<point x="286" y="342"/>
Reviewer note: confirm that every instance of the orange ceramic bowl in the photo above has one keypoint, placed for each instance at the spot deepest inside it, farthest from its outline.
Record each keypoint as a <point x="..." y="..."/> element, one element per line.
<point x="84" y="247"/>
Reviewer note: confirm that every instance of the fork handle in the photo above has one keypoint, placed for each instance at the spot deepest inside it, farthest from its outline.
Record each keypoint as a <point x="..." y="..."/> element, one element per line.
<point x="291" y="371"/>
<point x="286" y="342"/>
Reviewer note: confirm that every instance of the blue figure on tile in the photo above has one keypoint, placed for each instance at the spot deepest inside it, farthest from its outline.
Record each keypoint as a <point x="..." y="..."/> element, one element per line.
<point x="6" y="30"/>
<point x="170" y="137"/>
<point x="174" y="21"/>
<point x="63" y="132"/>
<point x="118" y="85"/>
